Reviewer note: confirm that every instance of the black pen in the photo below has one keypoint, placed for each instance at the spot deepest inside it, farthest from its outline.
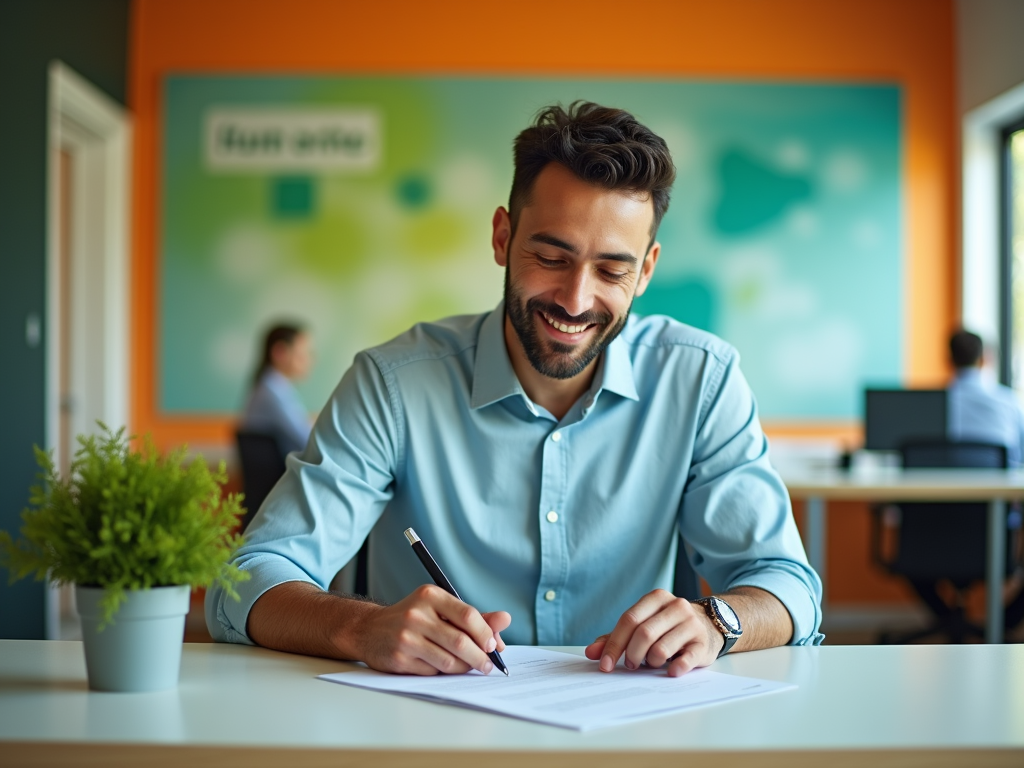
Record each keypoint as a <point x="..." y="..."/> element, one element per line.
<point x="442" y="581"/>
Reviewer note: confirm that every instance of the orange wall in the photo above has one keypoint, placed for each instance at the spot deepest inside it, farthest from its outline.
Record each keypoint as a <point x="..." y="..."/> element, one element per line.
<point x="910" y="42"/>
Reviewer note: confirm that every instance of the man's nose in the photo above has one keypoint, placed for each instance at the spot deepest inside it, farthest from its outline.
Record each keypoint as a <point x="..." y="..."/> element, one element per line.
<point x="575" y="295"/>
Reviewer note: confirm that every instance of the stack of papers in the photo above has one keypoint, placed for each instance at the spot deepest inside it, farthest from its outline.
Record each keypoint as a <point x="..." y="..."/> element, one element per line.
<point x="565" y="690"/>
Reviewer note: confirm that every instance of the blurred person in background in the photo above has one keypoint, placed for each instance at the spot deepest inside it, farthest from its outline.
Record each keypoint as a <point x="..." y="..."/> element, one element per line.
<point x="980" y="409"/>
<point x="274" y="405"/>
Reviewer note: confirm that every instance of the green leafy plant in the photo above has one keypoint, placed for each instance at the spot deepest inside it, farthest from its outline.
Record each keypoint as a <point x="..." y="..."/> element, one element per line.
<point x="125" y="519"/>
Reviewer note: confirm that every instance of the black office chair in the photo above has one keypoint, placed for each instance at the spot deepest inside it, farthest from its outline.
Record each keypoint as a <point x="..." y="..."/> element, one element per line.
<point x="938" y="542"/>
<point x="262" y="466"/>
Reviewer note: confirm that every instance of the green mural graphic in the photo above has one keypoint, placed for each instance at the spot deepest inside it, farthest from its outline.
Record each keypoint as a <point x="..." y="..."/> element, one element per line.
<point x="363" y="205"/>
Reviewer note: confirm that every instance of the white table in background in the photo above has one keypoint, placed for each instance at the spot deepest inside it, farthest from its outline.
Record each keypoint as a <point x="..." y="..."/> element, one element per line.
<point x="235" y="705"/>
<point x="995" y="486"/>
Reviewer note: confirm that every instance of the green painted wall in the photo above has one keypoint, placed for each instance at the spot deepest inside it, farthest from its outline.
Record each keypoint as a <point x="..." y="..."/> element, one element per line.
<point x="92" y="38"/>
<point x="784" y="235"/>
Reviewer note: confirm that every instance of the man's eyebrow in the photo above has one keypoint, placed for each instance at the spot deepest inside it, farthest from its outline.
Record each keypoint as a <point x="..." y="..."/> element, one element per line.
<point x="541" y="237"/>
<point x="626" y="258"/>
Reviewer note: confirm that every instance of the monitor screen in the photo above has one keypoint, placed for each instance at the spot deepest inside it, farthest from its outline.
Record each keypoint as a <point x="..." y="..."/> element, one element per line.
<point x="893" y="417"/>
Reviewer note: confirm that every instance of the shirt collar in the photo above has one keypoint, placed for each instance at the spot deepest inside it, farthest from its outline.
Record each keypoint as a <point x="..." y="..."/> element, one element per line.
<point x="494" y="378"/>
<point x="616" y="372"/>
<point x="969" y="374"/>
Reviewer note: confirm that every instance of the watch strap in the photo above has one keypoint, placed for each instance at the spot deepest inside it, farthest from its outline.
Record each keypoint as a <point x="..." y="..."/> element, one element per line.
<point x="727" y="646"/>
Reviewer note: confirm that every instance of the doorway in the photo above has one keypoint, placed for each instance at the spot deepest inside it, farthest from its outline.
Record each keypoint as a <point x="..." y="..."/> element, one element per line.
<point x="87" y="278"/>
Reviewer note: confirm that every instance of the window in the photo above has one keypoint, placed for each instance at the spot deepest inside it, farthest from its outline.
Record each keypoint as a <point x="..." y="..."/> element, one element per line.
<point x="1011" y="368"/>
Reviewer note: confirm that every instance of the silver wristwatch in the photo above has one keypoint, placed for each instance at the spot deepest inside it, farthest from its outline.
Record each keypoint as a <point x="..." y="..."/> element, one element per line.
<point x="725" y="620"/>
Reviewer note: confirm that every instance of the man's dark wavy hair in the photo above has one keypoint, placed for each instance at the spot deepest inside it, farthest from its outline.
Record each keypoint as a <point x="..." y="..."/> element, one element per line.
<point x="600" y="145"/>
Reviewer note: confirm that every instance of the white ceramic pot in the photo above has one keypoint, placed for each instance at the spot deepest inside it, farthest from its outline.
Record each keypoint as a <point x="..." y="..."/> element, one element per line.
<point x="140" y="650"/>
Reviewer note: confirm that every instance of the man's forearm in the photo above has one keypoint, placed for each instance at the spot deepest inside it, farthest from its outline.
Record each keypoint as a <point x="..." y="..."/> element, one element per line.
<point x="426" y="632"/>
<point x="766" y="622"/>
<point x="299" y="617"/>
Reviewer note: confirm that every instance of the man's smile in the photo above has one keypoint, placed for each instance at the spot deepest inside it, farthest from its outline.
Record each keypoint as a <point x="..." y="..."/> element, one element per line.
<point x="565" y="328"/>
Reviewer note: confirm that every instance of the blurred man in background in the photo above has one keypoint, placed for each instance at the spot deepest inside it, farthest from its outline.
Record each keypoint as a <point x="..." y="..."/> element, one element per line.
<point x="980" y="409"/>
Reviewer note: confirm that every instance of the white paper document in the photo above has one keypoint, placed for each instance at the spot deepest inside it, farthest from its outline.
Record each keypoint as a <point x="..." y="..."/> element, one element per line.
<point x="566" y="690"/>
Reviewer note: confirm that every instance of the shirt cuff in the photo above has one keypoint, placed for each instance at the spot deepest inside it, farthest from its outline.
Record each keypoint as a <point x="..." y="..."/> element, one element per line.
<point x="267" y="573"/>
<point x="803" y="609"/>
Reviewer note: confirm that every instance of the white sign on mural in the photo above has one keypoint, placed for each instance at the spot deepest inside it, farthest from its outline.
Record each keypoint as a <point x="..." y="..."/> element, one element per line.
<point x="284" y="140"/>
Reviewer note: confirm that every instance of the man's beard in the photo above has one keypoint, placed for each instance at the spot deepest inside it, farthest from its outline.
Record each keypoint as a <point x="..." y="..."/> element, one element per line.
<point x="549" y="357"/>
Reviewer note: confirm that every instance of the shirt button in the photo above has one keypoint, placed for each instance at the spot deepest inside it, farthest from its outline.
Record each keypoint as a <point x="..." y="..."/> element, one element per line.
<point x="556" y="436"/>
<point x="550" y="595"/>
<point x="552" y="516"/>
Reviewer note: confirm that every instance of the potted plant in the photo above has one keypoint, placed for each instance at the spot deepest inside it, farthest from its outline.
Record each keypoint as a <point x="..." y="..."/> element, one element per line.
<point x="134" y="531"/>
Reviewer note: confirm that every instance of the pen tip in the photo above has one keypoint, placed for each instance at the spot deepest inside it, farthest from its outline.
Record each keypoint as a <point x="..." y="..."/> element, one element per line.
<point x="506" y="672"/>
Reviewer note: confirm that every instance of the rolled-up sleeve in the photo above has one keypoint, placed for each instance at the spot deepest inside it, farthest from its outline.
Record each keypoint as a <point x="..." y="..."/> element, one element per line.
<point x="736" y="515"/>
<point x="320" y="512"/>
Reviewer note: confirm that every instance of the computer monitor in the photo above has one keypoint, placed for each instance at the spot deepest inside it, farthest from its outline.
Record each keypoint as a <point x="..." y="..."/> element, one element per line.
<point x="893" y="417"/>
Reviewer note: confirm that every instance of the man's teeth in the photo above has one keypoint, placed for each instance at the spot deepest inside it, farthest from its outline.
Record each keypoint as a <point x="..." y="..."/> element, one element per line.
<point x="566" y="328"/>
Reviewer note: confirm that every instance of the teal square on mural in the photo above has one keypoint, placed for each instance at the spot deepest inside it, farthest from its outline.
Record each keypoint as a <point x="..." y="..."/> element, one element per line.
<point x="293" y="197"/>
<point x="363" y="205"/>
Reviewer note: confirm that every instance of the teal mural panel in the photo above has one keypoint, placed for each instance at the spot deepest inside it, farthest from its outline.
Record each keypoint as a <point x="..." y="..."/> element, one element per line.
<point x="363" y="205"/>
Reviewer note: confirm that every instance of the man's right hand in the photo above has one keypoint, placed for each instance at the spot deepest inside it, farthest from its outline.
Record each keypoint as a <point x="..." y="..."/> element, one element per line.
<point x="427" y="633"/>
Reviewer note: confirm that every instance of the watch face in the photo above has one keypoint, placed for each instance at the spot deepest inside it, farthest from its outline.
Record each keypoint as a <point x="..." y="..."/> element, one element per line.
<point x="727" y="614"/>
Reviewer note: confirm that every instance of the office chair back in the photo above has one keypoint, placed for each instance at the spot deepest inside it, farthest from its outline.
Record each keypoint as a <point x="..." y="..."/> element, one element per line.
<point x="262" y="466"/>
<point x="686" y="584"/>
<point x="945" y="539"/>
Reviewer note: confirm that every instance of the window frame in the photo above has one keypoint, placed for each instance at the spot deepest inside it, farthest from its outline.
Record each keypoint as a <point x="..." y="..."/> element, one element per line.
<point x="1006" y="225"/>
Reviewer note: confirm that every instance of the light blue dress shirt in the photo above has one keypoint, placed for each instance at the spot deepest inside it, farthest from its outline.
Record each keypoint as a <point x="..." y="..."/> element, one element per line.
<point x="564" y="524"/>
<point x="274" y="407"/>
<point x="985" y="411"/>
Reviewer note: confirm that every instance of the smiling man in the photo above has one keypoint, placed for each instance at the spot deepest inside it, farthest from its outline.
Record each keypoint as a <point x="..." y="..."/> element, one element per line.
<point x="549" y="452"/>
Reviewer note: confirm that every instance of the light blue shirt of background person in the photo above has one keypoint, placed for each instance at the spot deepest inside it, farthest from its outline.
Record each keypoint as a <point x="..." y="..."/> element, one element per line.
<point x="274" y="407"/>
<point x="565" y="524"/>
<point x="985" y="411"/>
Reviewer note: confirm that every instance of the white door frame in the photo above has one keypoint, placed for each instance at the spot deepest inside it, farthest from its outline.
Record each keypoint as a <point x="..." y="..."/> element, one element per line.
<point x="96" y="131"/>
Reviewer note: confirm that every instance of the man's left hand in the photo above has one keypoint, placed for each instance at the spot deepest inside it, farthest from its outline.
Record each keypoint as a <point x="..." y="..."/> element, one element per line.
<point x="661" y="628"/>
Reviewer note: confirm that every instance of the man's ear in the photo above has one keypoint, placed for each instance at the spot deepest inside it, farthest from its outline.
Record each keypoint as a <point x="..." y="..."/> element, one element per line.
<point x="647" y="269"/>
<point x="501" y="236"/>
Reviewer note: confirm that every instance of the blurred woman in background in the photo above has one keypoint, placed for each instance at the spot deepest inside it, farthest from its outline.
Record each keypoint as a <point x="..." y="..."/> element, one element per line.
<point x="274" y="405"/>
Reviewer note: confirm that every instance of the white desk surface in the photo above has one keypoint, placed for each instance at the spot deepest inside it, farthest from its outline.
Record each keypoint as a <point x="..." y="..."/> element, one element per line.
<point x="235" y="705"/>
<point x="907" y="484"/>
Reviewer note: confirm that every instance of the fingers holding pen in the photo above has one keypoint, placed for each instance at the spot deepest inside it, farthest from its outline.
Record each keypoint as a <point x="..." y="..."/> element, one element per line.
<point x="462" y="630"/>
<point x="484" y="633"/>
<point x="498" y="621"/>
<point x="428" y="632"/>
